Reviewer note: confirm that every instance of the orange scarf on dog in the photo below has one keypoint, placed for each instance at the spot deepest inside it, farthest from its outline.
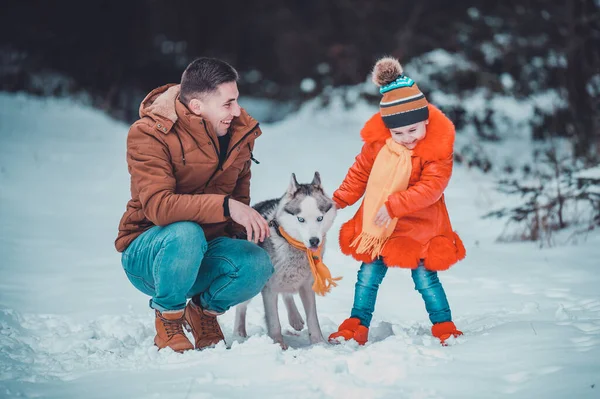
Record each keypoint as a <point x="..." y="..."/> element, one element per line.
<point x="390" y="173"/>
<point x="322" y="275"/>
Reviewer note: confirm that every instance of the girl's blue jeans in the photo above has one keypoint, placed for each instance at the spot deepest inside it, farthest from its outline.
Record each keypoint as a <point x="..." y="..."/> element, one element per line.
<point x="175" y="262"/>
<point x="426" y="282"/>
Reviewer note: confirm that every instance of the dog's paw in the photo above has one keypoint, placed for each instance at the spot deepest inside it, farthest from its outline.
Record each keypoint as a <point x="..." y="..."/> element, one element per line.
<point x="296" y="322"/>
<point x="316" y="339"/>
<point x="281" y="343"/>
<point x="240" y="332"/>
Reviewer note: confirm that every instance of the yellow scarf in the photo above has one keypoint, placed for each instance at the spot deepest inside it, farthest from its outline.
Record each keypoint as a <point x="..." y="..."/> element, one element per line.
<point x="322" y="275"/>
<point x="390" y="173"/>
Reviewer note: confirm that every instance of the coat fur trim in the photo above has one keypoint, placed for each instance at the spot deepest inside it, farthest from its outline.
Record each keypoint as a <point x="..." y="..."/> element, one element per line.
<point x="405" y="252"/>
<point x="160" y="102"/>
<point x="437" y="144"/>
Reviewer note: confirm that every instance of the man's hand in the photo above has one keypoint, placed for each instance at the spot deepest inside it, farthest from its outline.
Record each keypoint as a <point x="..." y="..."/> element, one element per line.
<point x="257" y="228"/>
<point x="383" y="219"/>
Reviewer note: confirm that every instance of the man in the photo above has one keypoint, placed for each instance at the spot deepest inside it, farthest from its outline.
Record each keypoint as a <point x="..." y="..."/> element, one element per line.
<point x="189" y="157"/>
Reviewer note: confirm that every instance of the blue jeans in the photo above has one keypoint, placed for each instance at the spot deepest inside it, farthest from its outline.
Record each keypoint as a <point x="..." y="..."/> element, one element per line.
<point x="426" y="282"/>
<point x="175" y="262"/>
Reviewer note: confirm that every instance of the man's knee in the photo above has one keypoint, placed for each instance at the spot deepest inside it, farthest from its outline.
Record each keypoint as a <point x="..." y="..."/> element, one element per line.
<point x="185" y="242"/>
<point x="185" y="235"/>
<point x="264" y="266"/>
<point x="254" y="261"/>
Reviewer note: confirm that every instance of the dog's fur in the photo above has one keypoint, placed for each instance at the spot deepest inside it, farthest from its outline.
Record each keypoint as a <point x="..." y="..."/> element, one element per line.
<point x="307" y="202"/>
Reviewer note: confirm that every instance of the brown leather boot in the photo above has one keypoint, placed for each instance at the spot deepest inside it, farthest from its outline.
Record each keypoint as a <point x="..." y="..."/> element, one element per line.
<point x="169" y="331"/>
<point x="203" y="325"/>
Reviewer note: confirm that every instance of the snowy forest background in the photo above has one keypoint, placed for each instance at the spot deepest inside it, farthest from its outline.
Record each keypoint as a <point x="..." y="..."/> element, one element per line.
<point x="482" y="62"/>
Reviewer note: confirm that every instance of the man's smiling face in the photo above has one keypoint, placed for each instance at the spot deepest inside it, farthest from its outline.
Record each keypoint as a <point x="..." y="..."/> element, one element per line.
<point x="218" y="107"/>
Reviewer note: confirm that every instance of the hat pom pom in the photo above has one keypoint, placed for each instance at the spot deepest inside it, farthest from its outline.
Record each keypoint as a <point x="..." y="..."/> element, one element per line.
<point x="386" y="70"/>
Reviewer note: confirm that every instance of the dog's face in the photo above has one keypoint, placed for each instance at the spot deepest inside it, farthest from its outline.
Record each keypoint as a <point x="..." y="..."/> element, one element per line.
<point x="306" y="213"/>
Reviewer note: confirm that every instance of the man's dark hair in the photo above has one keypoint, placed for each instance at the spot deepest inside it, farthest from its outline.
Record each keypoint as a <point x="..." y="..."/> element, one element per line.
<point x="203" y="76"/>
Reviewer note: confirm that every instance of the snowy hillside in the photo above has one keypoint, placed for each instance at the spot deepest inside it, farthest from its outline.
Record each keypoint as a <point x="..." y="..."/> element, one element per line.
<point x="72" y="326"/>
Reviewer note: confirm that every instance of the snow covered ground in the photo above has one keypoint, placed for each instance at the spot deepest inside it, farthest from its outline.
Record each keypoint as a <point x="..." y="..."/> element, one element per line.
<point x="71" y="325"/>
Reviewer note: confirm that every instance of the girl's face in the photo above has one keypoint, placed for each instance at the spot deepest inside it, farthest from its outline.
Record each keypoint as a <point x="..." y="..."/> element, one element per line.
<point x="410" y="135"/>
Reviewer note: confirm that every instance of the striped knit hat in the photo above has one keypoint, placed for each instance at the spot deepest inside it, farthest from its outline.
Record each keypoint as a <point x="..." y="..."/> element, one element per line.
<point x="403" y="103"/>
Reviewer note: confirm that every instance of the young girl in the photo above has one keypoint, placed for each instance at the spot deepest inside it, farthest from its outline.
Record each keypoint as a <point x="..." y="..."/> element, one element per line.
<point x="403" y="169"/>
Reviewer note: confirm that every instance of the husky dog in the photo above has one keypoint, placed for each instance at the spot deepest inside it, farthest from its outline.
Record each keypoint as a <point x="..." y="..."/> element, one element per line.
<point x="305" y="213"/>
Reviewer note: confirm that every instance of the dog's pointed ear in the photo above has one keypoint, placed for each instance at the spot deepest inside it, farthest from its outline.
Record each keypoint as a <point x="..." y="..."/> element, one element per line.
<point x="316" y="180"/>
<point x="293" y="187"/>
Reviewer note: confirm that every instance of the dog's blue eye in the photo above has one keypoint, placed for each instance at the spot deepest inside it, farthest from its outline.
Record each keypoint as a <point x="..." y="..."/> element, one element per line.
<point x="301" y="220"/>
<point x="320" y="219"/>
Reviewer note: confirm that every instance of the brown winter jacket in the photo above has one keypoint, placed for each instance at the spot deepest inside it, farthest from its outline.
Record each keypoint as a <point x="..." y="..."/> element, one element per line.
<point x="173" y="161"/>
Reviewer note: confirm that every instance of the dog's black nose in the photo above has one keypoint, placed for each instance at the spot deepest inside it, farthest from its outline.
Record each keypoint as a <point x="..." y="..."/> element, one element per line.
<point x="314" y="241"/>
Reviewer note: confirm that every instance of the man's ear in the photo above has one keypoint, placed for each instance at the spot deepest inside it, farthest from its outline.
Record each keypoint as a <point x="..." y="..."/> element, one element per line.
<point x="196" y="106"/>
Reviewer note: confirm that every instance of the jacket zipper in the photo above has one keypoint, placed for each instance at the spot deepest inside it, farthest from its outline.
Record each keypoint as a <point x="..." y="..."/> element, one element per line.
<point x="181" y="146"/>
<point x="211" y="139"/>
<point x="226" y="156"/>
<point x="256" y="161"/>
<point x="239" y="142"/>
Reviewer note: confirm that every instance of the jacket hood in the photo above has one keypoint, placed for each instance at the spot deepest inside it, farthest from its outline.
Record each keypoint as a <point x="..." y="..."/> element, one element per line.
<point x="160" y="103"/>
<point x="437" y="144"/>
